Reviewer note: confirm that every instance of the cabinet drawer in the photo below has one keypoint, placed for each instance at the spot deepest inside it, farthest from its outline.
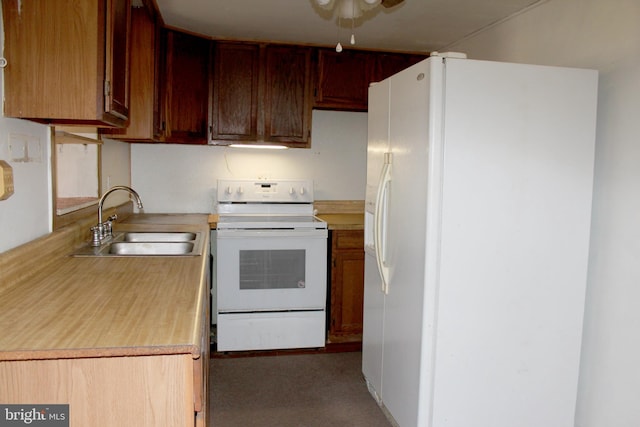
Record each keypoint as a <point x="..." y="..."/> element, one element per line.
<point x="348" y="239"/>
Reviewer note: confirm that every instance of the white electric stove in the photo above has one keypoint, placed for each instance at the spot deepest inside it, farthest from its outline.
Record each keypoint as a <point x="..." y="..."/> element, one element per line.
<point x="271" y="266"/>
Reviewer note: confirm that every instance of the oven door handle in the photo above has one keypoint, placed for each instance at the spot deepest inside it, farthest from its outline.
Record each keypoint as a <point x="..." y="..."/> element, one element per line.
<point x="269" y="234"/>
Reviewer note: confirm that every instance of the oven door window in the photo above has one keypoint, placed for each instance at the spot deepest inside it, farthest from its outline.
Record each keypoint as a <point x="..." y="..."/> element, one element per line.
<point x="272" y="269"/>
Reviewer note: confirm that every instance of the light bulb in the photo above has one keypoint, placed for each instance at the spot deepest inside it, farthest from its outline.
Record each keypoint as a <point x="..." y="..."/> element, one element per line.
<point x="353" y="39"/>
<point x="338" y="47"/>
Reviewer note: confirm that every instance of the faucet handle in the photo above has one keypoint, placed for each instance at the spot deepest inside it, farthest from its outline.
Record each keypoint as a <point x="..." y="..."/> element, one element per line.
<point x="113" y="217"/>
<point x="96" y="238"/>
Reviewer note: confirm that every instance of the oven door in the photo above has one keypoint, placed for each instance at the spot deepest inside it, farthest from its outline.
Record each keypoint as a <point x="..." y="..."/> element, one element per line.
<point x="271" y="270"/>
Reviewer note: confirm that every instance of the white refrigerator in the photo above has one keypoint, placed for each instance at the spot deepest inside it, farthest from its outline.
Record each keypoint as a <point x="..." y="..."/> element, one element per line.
<point x="478" y="210"/>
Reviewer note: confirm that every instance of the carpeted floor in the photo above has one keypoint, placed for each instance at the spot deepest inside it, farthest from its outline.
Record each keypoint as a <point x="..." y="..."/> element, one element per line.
<point x="305" y="390"/>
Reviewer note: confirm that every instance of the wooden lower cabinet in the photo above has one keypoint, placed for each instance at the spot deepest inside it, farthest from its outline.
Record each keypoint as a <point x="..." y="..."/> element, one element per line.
<point x="347" y="286"/>
<point x="154" y="390"/>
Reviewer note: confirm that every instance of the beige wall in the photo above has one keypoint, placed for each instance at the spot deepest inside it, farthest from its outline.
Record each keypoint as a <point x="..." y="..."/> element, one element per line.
<point x="603" y="35"/>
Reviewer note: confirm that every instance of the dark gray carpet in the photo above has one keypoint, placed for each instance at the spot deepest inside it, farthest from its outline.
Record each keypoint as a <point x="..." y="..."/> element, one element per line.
<point x="304" y="390"/>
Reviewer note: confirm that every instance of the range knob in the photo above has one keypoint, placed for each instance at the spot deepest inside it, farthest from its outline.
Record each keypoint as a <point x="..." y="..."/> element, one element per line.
<point x="302" y="190"/>
<point x="240" y="190"/>
<point x="228" y="190"/>
<point x="292" y="191"/>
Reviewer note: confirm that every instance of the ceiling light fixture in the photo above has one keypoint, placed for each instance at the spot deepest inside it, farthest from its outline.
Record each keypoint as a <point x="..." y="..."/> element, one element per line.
<point x="352" y="9"/>
<point x="347" y="9"/>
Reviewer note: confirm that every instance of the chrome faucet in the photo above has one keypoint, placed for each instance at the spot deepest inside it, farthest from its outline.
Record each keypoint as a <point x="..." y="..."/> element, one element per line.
<point x="103" y="230"/>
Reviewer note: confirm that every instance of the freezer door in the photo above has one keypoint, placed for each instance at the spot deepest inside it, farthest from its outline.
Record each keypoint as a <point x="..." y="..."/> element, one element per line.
<point x="378" y="145"/>
<point x="412" y="125"/>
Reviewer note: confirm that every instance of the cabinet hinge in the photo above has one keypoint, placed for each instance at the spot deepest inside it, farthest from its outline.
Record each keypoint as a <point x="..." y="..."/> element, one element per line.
<point x="107" y="88"/>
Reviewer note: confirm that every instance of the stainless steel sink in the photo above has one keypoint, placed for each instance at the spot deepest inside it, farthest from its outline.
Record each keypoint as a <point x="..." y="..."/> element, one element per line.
<point x="159" y="237"/>
<point x="145" y="243"/>
<point x="151" y="248"/>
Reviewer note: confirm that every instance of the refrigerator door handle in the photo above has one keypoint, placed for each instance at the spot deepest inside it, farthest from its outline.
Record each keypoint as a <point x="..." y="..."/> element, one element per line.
<point x="380" y="222"/>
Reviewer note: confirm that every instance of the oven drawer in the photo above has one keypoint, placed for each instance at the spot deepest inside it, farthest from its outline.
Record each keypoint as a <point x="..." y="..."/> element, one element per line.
<point x="268" y="331"/>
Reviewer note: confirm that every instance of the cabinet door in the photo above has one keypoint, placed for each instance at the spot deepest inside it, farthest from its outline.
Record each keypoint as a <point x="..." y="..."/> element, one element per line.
<point x="388" y="64"/>
<point x="235" y="92"/>
<point x="287" y="109"/>
<point x="347" y="285"/>
<point x="186" y="89"/>
<point x="142" y="98"/>
<point x="61" y="72"/>
<point x="117" y="58"/>
<point x="343" y="80"/>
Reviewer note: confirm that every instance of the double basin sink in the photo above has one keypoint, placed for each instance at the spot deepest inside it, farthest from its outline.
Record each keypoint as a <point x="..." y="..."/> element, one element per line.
<point x="146" y="244"/>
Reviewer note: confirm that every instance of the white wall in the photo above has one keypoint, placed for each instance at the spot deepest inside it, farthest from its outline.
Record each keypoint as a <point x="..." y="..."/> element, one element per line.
<point x="176" y="178"/>
<point x="25" y="215"/>
<point x="603" y="35"/>
<point x="116" y="170"/>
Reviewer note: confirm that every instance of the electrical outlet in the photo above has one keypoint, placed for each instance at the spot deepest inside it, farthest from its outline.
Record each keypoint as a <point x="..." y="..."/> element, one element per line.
<point x="6" y="180"/>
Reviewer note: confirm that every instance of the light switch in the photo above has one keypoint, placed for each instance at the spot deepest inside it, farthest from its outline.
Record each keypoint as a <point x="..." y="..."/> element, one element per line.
<point x="6" y="180"/>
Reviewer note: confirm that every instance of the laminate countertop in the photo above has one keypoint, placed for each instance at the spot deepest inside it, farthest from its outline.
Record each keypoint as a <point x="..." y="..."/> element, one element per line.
<point x="338" y="221"/>
<point x="344" y="221"/>
<point x="105" y="306"/>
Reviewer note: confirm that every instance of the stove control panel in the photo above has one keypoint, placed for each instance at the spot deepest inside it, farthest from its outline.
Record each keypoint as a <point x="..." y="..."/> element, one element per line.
<point x="265" y="191"/>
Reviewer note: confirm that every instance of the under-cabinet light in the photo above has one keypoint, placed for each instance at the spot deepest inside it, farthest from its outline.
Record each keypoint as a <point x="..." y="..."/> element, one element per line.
<point x="265" y="146"/>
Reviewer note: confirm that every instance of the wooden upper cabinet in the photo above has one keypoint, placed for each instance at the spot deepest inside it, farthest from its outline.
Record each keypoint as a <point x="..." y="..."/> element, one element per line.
<point x="184" y="88"/>
<point x="287" y="110"/>
<point x="261" y="93"/>
<point x="388" y="64"/>
<point x="67" y="61"/>
<point x="143" y="102"/>
<point x="343" y="80"/>
<point x="236" y="73"/>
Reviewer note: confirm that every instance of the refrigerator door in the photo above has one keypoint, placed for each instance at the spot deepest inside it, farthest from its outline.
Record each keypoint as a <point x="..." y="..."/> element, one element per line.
<point x="413" y="123"/>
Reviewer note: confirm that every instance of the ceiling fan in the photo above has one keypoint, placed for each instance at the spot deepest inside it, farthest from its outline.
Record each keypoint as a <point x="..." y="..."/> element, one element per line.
<point x="351" y="9"/>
